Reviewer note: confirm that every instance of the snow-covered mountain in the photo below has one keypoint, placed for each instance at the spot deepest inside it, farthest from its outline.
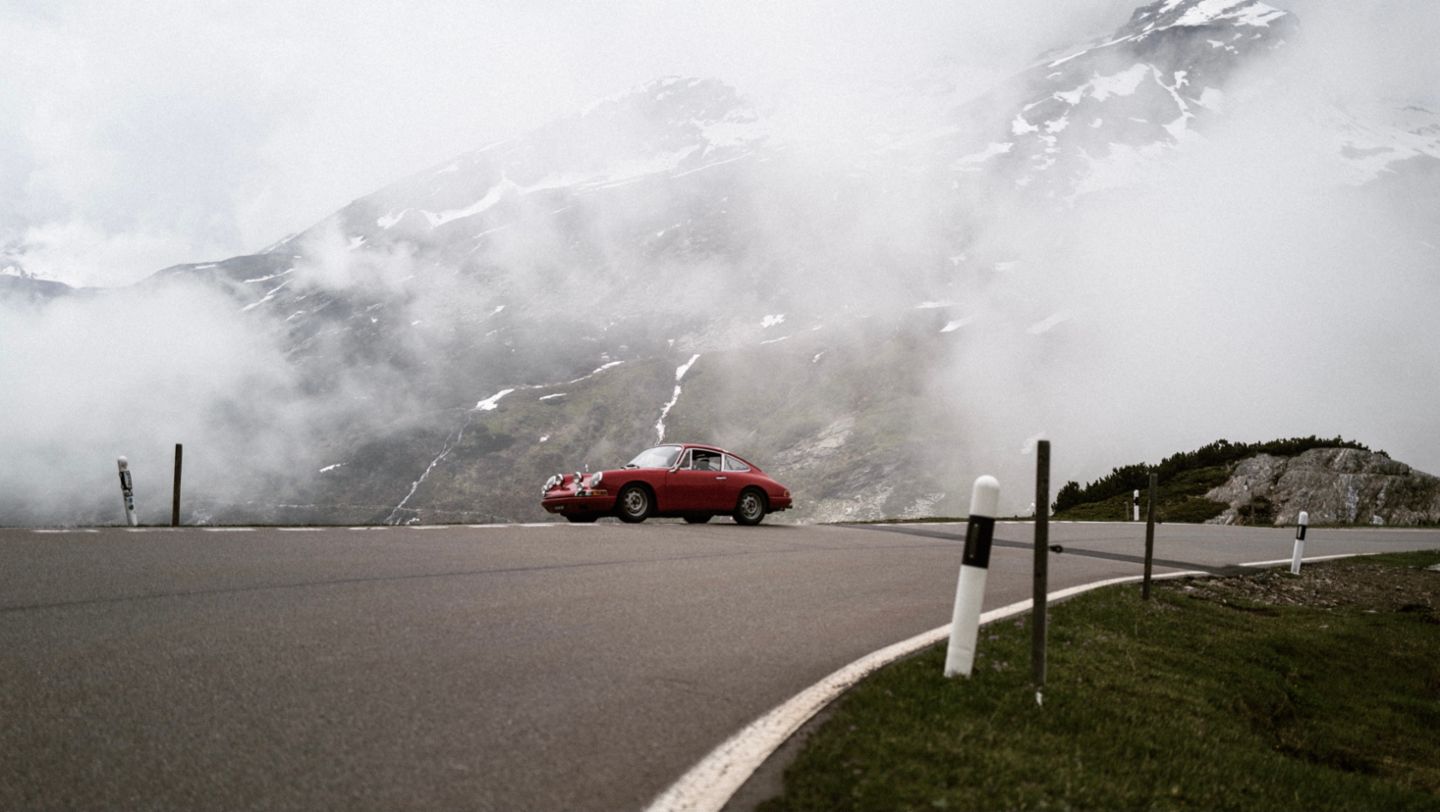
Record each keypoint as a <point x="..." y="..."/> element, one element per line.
<point x="668" y="264"/>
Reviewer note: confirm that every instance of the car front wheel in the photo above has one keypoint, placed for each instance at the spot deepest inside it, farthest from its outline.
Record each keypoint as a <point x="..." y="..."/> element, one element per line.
<point x="750" y="509"/>
<point x="633" y="504"/>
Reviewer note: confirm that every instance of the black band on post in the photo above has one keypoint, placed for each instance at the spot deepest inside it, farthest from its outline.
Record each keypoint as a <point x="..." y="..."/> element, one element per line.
<point x="978" y="535"/>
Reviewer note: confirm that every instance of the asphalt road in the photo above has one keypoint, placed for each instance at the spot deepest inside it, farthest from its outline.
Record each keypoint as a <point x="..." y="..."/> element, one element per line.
<point x="557" y="667"/>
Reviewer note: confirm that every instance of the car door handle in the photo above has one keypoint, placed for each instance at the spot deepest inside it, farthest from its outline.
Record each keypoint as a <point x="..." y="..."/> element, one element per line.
<point x="722" y="478"/>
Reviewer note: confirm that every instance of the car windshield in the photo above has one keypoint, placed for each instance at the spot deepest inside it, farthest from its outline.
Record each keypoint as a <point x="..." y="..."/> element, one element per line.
<point x="661" y="456"/>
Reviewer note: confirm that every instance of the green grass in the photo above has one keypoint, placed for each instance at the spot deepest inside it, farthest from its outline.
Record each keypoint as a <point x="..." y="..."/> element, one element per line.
<point x="1198" y="699"/>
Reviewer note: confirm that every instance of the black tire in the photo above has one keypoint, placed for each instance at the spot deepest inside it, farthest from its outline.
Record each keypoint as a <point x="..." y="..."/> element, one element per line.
<point x="750" y="510"/>
<point x="582" y="519"/>
<point x="698" y="519"/>
<point x="633" y="505"/>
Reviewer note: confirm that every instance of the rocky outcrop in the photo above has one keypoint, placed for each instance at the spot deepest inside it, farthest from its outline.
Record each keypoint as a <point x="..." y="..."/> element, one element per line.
<point x="1334" y="485"/>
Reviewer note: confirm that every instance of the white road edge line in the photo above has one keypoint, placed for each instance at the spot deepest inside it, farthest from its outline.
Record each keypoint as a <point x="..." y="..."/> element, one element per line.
<point x="708" y="786"/>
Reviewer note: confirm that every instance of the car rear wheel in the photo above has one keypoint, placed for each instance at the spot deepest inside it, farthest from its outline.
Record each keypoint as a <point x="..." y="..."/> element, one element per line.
<point x="698" y="519"/>
<point x="750" y="509"/>
<point x="633" y="504"/>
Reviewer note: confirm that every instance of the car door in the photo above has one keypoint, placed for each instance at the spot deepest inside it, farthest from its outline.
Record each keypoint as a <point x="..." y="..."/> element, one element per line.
<point x="734" y="476"/>
<point x="693" y="486"/>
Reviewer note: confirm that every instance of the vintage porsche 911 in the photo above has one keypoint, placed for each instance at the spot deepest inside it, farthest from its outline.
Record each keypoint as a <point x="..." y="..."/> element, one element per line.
<point x="694" y="482"/>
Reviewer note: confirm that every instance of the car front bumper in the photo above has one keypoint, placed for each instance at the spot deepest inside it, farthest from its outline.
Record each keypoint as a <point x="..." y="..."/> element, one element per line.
<point x="568" y="504"/>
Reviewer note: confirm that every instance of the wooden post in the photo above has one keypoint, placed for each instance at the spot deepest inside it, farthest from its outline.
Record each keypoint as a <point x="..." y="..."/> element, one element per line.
<point x="175" y="504"/>
<point x="1149" y="537"/>
<point x="1042" y="566"/>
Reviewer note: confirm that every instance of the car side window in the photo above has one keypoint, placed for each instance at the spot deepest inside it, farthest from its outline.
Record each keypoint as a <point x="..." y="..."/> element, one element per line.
<point x="732" y="464"/>
<point x="702" y="460"/>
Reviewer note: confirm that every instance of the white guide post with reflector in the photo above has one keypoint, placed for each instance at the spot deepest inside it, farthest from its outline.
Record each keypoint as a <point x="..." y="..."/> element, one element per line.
<point x="127" y="491"/>
<point x="1301" y="523"/>
<point x="974" y="566"/>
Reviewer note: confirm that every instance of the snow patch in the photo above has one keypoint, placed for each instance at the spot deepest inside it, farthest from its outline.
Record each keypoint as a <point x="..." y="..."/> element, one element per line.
<point x="390" y="219"/>
<point x="990" y="151"/>
<point x="675" y="398"/>
<point x="415" y="486"/>
<point x="772" y="321"/>
<point x="327" y="469"/>
<point x="1211" y="98"/>
<point x="496" y="193"/>
<point x="268" y="296"/>
<point x="1119" y="84"/>
<point x="685" y="367"/>
<point x="1209" y="11"/>
<point x="266" y="278"/>
<point x="953" y="325"/>
<point x="489" y="404"/>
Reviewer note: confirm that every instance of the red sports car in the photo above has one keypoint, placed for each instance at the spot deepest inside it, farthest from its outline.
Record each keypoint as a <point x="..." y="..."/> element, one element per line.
<point x="693" y="482"/>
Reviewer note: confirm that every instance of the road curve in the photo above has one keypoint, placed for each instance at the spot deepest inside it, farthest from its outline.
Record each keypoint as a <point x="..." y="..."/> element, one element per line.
<point x="509" y="667"/>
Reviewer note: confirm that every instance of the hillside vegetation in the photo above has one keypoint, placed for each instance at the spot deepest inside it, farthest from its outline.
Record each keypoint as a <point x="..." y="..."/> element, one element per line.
<point x="1182" y="481"/>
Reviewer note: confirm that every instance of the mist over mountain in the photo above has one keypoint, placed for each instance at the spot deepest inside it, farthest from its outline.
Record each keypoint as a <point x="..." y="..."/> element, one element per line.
<point x="1165" y="234"/>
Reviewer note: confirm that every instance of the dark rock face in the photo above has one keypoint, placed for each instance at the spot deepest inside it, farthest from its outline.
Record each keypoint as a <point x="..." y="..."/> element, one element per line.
<point x="1334" y="485"/>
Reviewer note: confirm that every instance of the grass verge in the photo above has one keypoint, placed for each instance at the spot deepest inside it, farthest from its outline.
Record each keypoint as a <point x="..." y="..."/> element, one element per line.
<point x="1255" y="692"/>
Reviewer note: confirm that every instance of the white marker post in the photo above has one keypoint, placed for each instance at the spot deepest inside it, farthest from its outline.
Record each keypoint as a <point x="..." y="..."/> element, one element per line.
<point x="1135" y="505"/>
<point x="1301" y="523"/>
<point x="974" y="566"/>
<point x="127" y="491"/>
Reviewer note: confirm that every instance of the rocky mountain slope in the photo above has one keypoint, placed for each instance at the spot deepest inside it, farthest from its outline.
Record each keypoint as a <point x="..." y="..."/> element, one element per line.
<point x="1333" y="485"/>
<point x="668" y="265"/>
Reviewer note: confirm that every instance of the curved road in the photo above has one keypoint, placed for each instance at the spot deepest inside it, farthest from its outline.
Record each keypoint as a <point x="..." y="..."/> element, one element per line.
<point x="514" y="667"/>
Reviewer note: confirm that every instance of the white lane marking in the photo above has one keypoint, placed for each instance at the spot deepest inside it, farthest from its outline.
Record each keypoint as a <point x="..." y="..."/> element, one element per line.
<point x="526" y="524"/>
<point x="61" y="531"/>
<point x="228" y="529"/>
<point x="708" y="786"/>
<point x="302" y="529"/>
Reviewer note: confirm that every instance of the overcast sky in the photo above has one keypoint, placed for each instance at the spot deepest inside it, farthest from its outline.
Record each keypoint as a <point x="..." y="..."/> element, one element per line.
<point x="136" y="135"/>
<point x="142" y="134"/>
